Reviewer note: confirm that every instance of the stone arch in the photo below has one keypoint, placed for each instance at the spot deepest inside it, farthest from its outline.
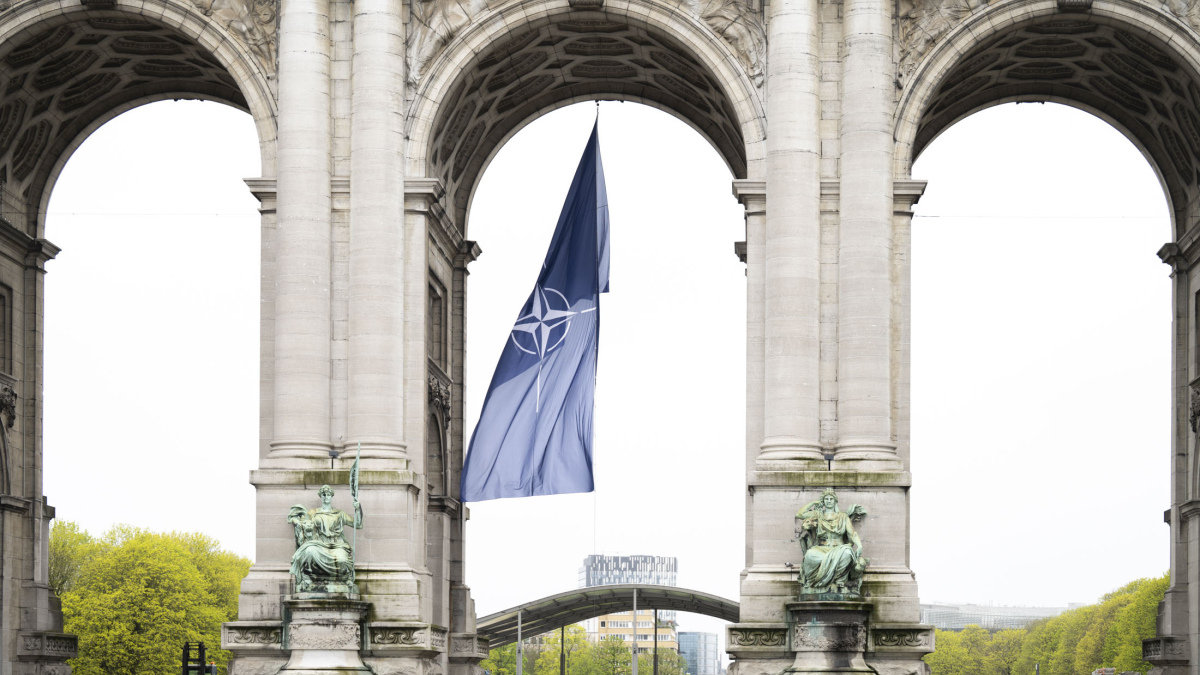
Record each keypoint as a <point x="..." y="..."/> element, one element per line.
<point x="1110" y="62"/>
<point x="509" y="68"/>
<point x="65" y="70"/>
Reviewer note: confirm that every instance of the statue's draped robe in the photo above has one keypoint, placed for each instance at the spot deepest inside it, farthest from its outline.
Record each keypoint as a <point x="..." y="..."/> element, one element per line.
<point x="325" y="555"/>
<point x="825" y="564"/>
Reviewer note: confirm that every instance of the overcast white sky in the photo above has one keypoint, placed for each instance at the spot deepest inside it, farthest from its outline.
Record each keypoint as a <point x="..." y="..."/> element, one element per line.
<point x="1040" y="360"/>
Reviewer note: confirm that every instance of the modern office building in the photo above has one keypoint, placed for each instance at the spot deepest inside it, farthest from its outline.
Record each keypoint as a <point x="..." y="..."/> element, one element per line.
<point x="700" y="652"/>
<point x="991" y="617"/>
<point x="607" y="570"/>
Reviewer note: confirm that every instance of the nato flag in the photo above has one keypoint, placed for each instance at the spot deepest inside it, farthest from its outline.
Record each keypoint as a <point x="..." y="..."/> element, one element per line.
<point x="534" y="435"/>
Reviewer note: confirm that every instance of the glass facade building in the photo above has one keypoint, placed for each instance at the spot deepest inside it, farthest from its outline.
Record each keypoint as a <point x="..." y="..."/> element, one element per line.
<point x="700" y="652"/>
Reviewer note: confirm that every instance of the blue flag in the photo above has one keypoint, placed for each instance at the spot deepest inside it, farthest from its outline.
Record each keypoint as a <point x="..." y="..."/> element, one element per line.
<point x="534" y="435"/>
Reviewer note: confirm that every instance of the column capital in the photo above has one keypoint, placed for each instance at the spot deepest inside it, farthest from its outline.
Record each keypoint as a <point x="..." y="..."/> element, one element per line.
<point x="1173" y="255"/>
<point x="468" y="252"/>
<point x="751" y="194"/>
<point x="906" y="193"/>
<point x="424" y="188"/>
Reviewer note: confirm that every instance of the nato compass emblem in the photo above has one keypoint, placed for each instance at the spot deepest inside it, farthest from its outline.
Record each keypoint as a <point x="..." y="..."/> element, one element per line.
<point x="544" y="328"/>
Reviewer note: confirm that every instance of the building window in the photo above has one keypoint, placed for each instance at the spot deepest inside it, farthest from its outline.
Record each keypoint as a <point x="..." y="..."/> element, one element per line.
<point x="435" y="324"/>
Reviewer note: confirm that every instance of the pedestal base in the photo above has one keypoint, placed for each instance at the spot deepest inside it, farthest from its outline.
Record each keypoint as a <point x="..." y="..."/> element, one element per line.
<point x="829" y="637"/>
<point x="325" y="634"/>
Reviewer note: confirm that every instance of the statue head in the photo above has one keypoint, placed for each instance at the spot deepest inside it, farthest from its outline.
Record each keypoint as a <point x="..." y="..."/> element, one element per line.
<point x="829" y="500"/>
<point x="326" y="494"/>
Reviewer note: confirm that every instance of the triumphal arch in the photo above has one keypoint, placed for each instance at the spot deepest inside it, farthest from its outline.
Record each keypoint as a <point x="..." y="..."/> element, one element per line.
<point x="376" y="119"/>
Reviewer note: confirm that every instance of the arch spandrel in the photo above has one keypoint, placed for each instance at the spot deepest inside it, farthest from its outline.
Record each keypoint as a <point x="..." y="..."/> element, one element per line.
<point x="64" y="73"/>
<point x="1126" y="63"/>
<point x="522" y="60"/>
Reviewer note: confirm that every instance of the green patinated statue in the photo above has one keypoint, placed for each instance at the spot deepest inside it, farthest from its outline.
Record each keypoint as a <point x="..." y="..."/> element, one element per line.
<point x="832" y="567"/>
<point x="324" y="560"/>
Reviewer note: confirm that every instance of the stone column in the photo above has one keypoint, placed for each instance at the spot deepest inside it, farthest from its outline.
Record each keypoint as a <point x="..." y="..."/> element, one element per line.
<point x="376" y="345"/>
<point x="905" y="195"/>
<point x="302" y="309"/>
<point x="791" y="426"/>
<point x="753" y="196"/>
<point x="865" y="434"/>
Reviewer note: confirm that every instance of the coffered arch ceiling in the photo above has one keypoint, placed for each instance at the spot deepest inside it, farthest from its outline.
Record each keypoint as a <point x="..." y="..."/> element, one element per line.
<point x="1131" y="79"/>
<point x="58" y="80"/>
<point x="585" y="56"/>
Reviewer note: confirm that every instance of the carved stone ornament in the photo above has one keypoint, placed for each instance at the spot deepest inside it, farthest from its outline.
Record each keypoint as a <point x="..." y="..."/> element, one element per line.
<point x="439" y="397"/>
<point x="741" y="27"/>
<point x="1187" y="11"/>
<point x="830" y="639"/>
<point x="754" y="637"/>
<point x="251" y="22"/>
<point x="1165" y="650"/>
<point x="344" y="636"/>
<point x="921" y="24"/>
<point x="902" y="637"/>
<point x="47" y="646"/>
<point x="406" y="636"/>
<point x="437" y="638"/>
<point x="255" y="635"/>
<point x="432" y="24"/>
<point x="1193" y="418"/>
<point x="8" y="405"/>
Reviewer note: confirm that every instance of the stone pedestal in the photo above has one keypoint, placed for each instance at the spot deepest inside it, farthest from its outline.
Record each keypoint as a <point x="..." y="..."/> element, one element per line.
<point x="829" y="637"/>
<point x="325" y="634"/>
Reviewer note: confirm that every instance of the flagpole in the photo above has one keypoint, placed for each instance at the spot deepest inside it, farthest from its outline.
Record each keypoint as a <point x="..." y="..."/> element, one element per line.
<point x="354" y="498"/>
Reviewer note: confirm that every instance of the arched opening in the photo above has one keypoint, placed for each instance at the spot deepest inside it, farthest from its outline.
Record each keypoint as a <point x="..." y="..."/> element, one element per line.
<point x="1066" y="269"/>
<point x="1046" y="220"/>
<point x="670" y="387"/>
<point x="66" y="76"/>
<point x="151" y="349"/>
<point x="476" y="99"/>
<point x="65" y="71"/>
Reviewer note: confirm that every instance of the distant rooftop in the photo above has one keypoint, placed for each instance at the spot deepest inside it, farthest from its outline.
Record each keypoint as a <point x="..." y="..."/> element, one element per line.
<point x="947" y="616"/>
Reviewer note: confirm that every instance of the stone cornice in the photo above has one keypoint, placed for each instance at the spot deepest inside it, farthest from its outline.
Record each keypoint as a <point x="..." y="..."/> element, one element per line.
<point x="468" y="252"/>
<point x="14" y="504"/>
<point x="791" y="479"/>
<point x="906" y="193"/>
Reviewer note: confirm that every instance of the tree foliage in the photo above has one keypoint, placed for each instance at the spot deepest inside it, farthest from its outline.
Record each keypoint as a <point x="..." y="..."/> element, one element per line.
<point x="1108" y="634"/>
<point x="134" y="597"/>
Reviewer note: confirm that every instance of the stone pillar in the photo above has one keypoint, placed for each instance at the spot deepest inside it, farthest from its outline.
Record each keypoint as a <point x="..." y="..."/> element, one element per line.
<point x="791" y="426"/>
<point x="376" y="346"/>
<point x="1177" y="638"/>
<point x="753" y="196"/>
<point x="302" y="280"/>
<point x="865" y="433"/>
<point x="790" y="342"/>
<point x="905" y="194"/>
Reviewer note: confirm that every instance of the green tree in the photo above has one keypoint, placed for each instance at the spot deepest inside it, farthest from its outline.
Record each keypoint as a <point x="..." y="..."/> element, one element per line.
<point x="141" y="595"/>
<point x="501" y="661"/>
<point x="1005" y="647"/>
<point x="572" y="651"/>
<point x="1076" y="642"/>
<point x="611" y="656"/>
<point x="951" y="657"/>
<point x="1133" y="623"/>
<point x="70" y="550"/>
<point x="669" y="663"/>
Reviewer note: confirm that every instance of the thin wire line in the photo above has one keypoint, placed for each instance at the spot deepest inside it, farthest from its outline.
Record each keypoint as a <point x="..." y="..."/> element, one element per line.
<point x="974" y="217"/>
<point x="56" y="214"/>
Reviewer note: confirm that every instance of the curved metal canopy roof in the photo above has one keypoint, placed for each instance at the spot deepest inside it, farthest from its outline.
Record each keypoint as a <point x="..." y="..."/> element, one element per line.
<point x="564" y="609"/>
